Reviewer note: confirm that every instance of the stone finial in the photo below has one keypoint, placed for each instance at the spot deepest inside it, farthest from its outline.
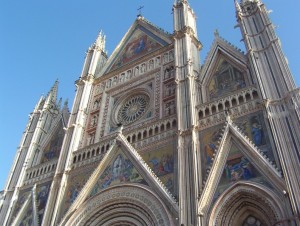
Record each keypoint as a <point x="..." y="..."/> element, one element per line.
<point x="228" y="117"/>
<point x="237" y="6"/>
<point x="100" y="41"/>
<point x="216" y="33"/>
<point x="120" y="128"/>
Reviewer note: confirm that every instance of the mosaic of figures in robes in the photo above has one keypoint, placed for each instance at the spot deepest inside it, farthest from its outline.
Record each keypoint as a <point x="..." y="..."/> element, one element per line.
<point x="28" y="218"/>
<point x="237" y="168"/>
<point x="76" y="182"/>
<point x="120" y="171"/>
<point x="23" y="196"/>
<point x="42" y="197"/>
<point x="139" y="44"/>
<point x="52" y="150"/>
<point x="252" y="126"/>
<point x="226" y="79"/>
<point x="42" y="192"/>
<point x="161" y="162"/>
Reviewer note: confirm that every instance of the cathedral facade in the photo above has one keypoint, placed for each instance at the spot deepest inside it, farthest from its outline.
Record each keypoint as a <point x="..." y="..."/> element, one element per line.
<point x="156" y="138"/>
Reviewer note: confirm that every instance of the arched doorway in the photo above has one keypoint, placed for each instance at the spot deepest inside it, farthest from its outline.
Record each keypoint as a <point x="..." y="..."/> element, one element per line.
<point x="247" y="204"/>
<point x="122" y="205"/>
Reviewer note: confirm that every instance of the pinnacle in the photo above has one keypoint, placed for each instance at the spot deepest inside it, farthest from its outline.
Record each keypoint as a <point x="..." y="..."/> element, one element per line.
<point x="100" y="41"/>
<point x="52" y="95"/>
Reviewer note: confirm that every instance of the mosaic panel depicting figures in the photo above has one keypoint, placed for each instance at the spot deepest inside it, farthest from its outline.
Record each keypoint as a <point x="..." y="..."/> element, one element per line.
<point x="42" y="193"/>
<point x="225" y="79"/>
<point x="53" y="148"/>
<point x="138" y="44"/>
<point x="27" y="220"/>
<point x="238" y="167"/>
<point x="23" y="196"/>
<point x="253" y="127"/>
<point x="162" y="163"/>
<point x="121" y="170"/>
<point x="76" y="182"/>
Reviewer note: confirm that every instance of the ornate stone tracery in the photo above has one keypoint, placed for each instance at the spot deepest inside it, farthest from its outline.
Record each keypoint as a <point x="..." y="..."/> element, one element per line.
<point x="133" y="108"/>
<point x="244" y="202"/>
<point x="131" y="204"/>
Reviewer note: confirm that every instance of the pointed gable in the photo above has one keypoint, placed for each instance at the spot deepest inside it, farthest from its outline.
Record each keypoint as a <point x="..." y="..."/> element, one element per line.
<point x="224" y="70"/>
<point x="54" y="144"/>
<point x="236" y="159"/>
<point x="141" y="39"/>
<point x="121" y="164"/>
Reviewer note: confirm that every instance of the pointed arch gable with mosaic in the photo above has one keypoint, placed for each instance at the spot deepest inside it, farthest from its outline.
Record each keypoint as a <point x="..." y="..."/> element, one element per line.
<point x="140" y="42"/>
<point x="238" y="168"/>
<point x="252" y="125"/>
<point x="226" y="78"/>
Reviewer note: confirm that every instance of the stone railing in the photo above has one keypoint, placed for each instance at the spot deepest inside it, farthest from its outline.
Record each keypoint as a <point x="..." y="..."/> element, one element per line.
<point x="92" y="153"/>
<point x="152" y="133"/>
<point x="236" y="105"/>
<point x="40" y="171"/>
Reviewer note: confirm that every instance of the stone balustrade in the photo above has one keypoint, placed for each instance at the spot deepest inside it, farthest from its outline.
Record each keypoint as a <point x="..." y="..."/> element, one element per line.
<point x="40" y="171"/>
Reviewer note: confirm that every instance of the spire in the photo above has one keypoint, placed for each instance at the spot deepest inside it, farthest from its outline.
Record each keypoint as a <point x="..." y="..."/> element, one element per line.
<point x="40" y="103"/>
<point x="246" y="1"/>
<point x="65" y="107"/>
<point x="100" y="41"/>
<point x="52" y="95"/>
<point x="237" y="6"/>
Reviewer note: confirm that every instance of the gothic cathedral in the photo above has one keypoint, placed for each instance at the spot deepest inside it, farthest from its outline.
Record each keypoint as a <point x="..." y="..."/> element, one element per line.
<point x="155" y="138"/>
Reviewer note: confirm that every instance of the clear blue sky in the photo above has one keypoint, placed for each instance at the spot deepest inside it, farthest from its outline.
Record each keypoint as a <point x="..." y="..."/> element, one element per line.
<point x="41" y="41"/>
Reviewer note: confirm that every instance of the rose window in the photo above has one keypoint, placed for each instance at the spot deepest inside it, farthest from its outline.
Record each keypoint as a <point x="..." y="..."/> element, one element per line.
<point x="133" y="108"/>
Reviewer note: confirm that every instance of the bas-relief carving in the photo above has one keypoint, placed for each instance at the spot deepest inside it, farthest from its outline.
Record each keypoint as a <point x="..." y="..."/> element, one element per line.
<point x="225" y="79"/>
<point x="52" y="150"/>
<point x="138" y="44"/>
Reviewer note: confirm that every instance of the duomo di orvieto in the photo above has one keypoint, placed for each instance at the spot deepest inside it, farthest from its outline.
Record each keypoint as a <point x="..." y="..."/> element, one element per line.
<point x="155" y="138"/>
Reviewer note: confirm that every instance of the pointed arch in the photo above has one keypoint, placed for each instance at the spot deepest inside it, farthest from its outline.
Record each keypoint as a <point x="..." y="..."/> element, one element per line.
<point x="246" y="201"/>
<point x="126" y="204"/>
<point x="225" y="70"/>
<point x="231" y="134"/>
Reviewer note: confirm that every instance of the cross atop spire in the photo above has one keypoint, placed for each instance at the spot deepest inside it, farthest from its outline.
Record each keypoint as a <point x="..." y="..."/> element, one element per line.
<point x="140" y="11"/>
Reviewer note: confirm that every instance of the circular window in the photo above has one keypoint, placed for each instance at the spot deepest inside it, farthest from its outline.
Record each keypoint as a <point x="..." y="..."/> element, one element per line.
<point x="133" y="108"/>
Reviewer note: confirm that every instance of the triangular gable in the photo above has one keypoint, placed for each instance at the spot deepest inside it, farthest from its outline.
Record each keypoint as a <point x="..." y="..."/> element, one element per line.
<point x="53" y="142"/>
<point x="252" y="155"/>
<point x="223" y="57"/>
<point x="122" y="146"/>
<point x="142" y="38"/>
